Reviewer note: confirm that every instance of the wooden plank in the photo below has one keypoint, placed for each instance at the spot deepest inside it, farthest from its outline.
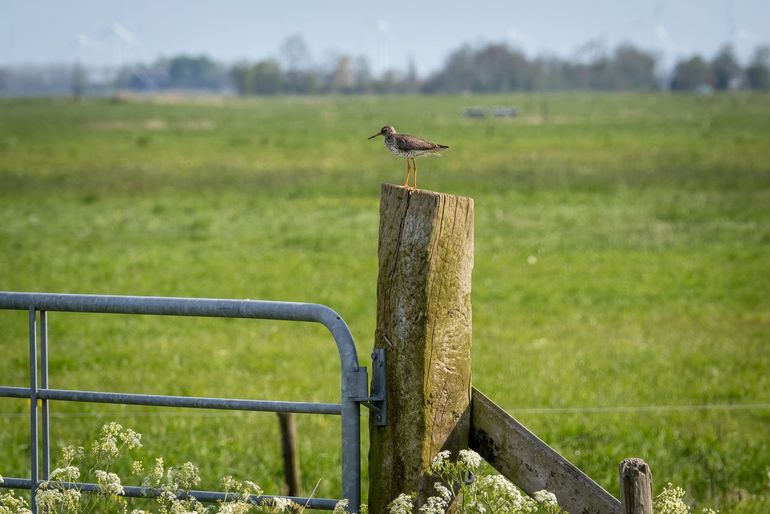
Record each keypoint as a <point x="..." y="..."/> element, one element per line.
<point x="532" y="465"/>
<point x="424" y="324"/>
<point x="635" y="487"/>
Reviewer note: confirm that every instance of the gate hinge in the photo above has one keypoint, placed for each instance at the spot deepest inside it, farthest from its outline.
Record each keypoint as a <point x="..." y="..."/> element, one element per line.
<point x="375" y="401"/>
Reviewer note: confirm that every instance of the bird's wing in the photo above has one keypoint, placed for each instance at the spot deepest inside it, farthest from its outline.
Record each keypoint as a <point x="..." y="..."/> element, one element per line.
<point x="407" y="142"/>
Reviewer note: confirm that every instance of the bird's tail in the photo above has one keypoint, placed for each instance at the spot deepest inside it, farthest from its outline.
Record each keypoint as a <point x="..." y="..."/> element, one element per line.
<point x="439" y="148"/>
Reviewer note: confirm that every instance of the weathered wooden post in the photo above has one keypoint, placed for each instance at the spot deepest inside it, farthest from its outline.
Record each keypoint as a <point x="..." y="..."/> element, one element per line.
<point x="424" y="323"/>
<point x="635" y="487"/>
<point x="290" y="453"/>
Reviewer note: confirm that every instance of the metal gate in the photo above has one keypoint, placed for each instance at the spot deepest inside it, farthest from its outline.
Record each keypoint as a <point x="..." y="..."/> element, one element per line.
<point x="354" y="379"/>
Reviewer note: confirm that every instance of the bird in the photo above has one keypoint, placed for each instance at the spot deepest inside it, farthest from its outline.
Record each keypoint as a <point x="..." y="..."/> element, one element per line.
<point x="410" y="147"/>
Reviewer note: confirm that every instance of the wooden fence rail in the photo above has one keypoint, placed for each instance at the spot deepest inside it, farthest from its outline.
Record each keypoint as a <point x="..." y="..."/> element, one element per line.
<point x="528" y="462"/>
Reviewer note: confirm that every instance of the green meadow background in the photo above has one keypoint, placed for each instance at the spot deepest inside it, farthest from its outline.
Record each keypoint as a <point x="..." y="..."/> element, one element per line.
<point x="621" y="288"/>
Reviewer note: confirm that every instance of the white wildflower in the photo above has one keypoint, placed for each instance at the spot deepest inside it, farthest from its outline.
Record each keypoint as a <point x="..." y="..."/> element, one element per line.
<point x="49" y="499"/>
<point x="186" y="477"/>
<point x="404" y="503"/>
<point x="236" y="507"/>
<point x="443" y="491"/>
<point x="476" y="507"/>
<point x="106" y="447"/>
<point x="434" y="505"/>
<point x="109" y="483"/>
<point x="498" y="485"/>
<point x="440" y="458"/>
<point x="282" y="504"/>
<point x="112" y="428"/>
<point x="156" y="475"/>
<point x="71" y="453"/>
<point x="167" y="497"/>
<point x="65" y="474"/>
<point x="470" y="458"/>
<point x="670" y="501"/>
<point x="497" y="490"/>
<point x="545" y="497"/>
<point x="130" y="439"/>
<point x="250" y="488"/>
<point x="13" y="504"/>
<point x="71" y="500"/>
<point x="229" y="483"/>
<point x="340" y="507"/>
<point x="137" y="467"/>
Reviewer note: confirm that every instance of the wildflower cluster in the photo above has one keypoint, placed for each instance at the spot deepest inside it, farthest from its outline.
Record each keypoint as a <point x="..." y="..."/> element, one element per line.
<point x="11" y="504"/>
<point x="170" y="486"/>
<point x="58" y="495"/>
<point x="671" y="501"/>
<point x="461" y="483"/>
<point x="113" y="438"/>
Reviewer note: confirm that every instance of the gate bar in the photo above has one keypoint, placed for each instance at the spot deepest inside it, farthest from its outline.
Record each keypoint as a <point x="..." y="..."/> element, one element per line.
<point x="44" y="415"/>
<point x="194" y="402"/>
<point x="33" y="441"/>
<point x="206" y="496"/>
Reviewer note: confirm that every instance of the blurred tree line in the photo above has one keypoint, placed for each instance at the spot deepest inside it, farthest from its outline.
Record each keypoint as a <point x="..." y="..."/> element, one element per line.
<point x="488" y="68"/>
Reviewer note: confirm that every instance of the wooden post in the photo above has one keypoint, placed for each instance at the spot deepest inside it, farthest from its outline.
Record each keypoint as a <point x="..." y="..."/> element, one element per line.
<point x="424" y="324"/>
<point x="290" y="454"/>
<point x="635" y="487"/>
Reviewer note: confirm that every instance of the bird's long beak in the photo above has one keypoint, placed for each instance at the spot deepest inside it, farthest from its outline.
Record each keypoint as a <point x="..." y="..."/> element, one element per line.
<point x="377" y="134"/>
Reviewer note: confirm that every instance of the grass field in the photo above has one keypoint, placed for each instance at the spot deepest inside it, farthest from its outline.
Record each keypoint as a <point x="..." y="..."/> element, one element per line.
<point x="621" y="288"/>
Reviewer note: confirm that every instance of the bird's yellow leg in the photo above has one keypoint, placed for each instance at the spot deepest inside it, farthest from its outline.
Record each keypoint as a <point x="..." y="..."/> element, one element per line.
<point x="408" y="169"/>
<point x="414" y="164"/>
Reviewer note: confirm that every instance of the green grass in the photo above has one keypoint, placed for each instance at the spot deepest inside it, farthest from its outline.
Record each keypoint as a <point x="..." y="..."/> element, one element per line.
<point x="647" y="216"/>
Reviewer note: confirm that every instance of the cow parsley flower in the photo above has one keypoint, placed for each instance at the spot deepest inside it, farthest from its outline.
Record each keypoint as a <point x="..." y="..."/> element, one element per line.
<point x="236" y="507"/>
<point x="403" y="504"/>
<point x="670" y="501"/>
<point x="106" y="448"/>
<point x="434" y="505"/>
<point x="340" y="507"/>
<point x="545" y="497"/>
<point x="155" y="476"/>
<point x="71" y="500"/>
<point x="71" y="453"/>
<point x="130" y="439"/>
<point x="443" y="491"/>
<point x="282" y="504"/>
<point x="109" y="483"/>
<point x="65" y="474"/>
<point x="470" y="458"/>
<point x="12" y="503"/>
<point x="49" y="499"/>
<point x="440" y="458"/>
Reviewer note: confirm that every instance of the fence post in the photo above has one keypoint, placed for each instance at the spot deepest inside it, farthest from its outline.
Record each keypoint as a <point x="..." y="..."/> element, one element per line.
<point x="635" y="487"/>
<point x="289" y="453"/>
<point x="424" y="324"/>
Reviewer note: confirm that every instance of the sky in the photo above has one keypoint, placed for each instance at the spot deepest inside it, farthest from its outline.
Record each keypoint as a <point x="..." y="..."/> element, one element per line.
<point x="389" y="34"/>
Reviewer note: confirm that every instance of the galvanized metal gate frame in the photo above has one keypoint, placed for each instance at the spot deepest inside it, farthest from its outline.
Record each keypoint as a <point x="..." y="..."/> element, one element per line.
<point x="355" y="383"/>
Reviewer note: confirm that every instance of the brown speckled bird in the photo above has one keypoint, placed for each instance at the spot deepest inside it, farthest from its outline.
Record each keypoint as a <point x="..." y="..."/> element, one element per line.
<point x="410" y="147"/>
